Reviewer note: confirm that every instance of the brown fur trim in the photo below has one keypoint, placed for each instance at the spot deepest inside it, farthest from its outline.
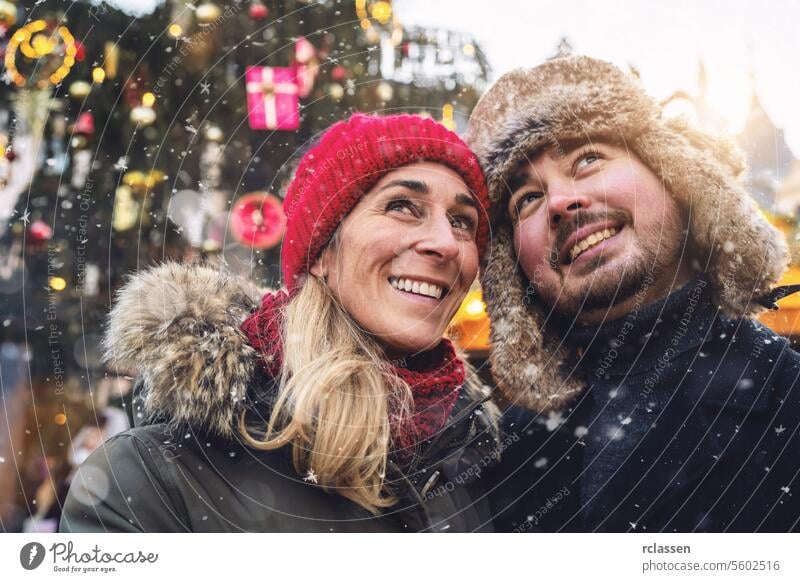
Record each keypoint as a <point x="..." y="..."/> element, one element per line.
<point x="178" y="326"/>
<point x="730" y="241"/>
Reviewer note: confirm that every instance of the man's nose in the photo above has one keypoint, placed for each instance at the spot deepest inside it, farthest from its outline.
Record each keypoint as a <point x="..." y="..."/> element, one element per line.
<point x="563" y="200"/>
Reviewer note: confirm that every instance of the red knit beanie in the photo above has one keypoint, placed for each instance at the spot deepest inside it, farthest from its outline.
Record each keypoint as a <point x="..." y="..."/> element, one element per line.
<point x="351" y="157"/>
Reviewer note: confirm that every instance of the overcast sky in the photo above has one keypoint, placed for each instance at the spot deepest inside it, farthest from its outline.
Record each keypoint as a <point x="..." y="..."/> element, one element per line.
<point x="663" y="39"/>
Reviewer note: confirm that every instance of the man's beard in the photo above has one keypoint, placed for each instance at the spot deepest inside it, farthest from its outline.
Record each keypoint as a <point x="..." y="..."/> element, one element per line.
<point x="608" y="290"/>
<point x="658" y="252"/>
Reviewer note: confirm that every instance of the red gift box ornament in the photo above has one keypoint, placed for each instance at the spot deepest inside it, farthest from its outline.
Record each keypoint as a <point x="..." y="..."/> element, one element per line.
<point x="272" y="98"/>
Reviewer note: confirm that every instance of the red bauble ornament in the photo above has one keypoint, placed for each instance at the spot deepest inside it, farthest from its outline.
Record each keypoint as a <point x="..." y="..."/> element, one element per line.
<point x="85" y="124"/>
<point x="40" y="231"/>
<point x="257" y="220"/>
<point x="80" y="51"/>
<point x="258" y="11"/>
<point x="338" y="73"/>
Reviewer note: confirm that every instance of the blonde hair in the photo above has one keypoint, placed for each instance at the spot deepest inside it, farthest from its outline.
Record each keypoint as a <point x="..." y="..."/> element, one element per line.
<point x="338" y="399"/>
<point x="337" y="396"/>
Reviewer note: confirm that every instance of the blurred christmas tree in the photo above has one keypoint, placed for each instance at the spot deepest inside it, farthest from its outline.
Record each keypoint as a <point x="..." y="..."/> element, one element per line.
<point x="127" y="140"/>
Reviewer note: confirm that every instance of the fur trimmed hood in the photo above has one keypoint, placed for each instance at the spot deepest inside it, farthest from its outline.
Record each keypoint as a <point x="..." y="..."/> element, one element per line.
<point x="575" y="98"/>
<point x="177" y="325"/>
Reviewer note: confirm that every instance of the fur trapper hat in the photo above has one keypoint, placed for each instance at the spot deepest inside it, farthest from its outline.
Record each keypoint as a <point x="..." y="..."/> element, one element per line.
<point x="579" y="98"/>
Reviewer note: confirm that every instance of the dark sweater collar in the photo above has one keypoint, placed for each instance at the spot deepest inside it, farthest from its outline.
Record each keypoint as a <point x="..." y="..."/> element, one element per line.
<point x="635" y="341"/>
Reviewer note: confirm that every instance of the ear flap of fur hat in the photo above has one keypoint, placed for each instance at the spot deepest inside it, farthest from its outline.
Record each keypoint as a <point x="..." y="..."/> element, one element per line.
<point x="578" y="98"/>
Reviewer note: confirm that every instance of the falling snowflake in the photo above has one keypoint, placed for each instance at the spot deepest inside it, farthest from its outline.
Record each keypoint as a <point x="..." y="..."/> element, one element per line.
<point x="554" y="420"/>
<point x="205" y="88"/>
<point x="632" y="524"/>
<point x="785" y="489"/>
<point x="779" y="429"/>
<point x="311" y="476"/>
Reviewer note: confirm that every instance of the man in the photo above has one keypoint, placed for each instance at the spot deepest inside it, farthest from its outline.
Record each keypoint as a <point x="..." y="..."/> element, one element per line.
<point x="627" y="263"/>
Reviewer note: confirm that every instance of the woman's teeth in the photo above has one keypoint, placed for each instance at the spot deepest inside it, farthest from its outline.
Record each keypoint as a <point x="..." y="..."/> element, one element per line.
<point x="418" y="287"/>
<point x="590" y="241"/>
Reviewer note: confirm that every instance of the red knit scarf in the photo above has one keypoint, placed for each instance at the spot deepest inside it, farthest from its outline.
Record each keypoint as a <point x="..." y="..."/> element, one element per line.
<point x="435" y="378"/>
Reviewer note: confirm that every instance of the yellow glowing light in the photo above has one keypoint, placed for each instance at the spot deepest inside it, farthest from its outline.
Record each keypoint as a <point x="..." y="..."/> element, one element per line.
<point x="382" y="11"/>
<point x="365" y="23"/>
<point x="61" y="418"/>
<point x="98" y="75"/>
<point x="175" y="30"/>
<point x="57" y="284"/>
<point x="475" y="308"/>
<point x="35" y="46"/>
<point x="447" y="117"/>
<point x="148" y="99"/>
<point x="468" y="49"/>
<point x="42" y="45"/>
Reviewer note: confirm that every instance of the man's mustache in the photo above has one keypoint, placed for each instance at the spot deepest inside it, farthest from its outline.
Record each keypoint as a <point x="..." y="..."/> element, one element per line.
<point x="577" y="220"/>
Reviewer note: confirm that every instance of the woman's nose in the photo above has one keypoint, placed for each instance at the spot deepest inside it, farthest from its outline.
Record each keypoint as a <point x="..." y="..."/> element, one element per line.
<point x="436" y="237"/>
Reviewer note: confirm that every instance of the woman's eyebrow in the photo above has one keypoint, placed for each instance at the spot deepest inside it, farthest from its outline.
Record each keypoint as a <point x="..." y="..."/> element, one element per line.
<point x="467" y="200"/>
<point x="413" y="185"/>
<point x="422" y="188"/>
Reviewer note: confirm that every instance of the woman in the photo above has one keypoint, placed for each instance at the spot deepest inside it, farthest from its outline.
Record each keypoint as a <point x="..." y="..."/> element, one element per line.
<point x="336" y="405"/>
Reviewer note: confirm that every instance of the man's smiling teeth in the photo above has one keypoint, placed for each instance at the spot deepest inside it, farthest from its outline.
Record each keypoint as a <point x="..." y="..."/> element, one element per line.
<point x="418" y="287"/>
<point x="590" y="241"/>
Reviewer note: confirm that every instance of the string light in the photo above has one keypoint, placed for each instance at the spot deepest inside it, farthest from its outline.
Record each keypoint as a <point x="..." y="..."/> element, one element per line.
<point x="31" y="43"/>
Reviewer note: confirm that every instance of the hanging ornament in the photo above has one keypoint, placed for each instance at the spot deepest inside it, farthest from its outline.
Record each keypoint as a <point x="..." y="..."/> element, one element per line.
<point x="373" y="36"/>
<point x="258" y="11"/>
<point x="85" y="124"/>
<point x="257" y="220"/>
<point x="380" y="10"/>
<point x="79" y="89"/>
<point x="303" y="50"/>
<point x="272" y="98"/>
<point x="8" y="16"/>
<point x="306" y="65"/>
<point x="98" y="75"/>
<point x="80" y="51"/>
<point x="335" y="91"/>
<point x="141" y="183"/>
<point x="81" y="166"/>
<point x="207" y="13"/>
<point x="40" y="231"/>
<point x="214" y="133"/>
<point x="143" y="115"/>
<point x="126" y="210"/>
<point x="338" y="73"/>
<point x="111" y="60"/>
<point x="54" y="53"/>
<point x="384" y="91"/>
<point x="78" y="142"/>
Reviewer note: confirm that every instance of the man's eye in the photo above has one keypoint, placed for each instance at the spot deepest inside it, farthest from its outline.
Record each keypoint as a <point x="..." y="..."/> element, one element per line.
<point x="526" y="199"/>
<point x="586" y="160"/>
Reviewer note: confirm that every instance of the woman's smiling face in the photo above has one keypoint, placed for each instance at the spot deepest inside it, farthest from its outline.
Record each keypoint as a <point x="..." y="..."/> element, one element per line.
<point x="405" y="256"/>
